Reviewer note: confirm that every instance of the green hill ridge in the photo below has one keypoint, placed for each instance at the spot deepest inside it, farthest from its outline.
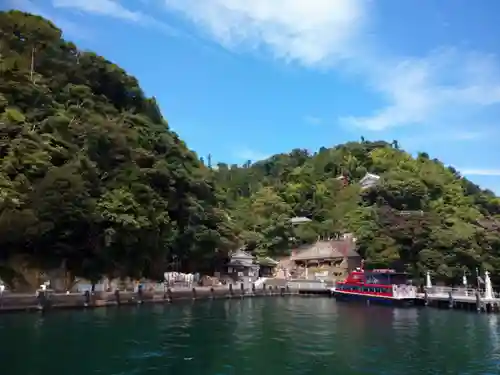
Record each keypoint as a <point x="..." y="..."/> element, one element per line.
<point x="421" y="215"/>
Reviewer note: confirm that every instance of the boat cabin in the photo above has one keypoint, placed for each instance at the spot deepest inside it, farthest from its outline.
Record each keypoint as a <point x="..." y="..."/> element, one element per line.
<point x="377" y="284"/>
<point x="377" y="277"/>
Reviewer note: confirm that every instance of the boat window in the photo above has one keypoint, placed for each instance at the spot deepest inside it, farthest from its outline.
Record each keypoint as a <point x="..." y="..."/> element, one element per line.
<point x="377" y="278"/>
<point x="399" y="279"/>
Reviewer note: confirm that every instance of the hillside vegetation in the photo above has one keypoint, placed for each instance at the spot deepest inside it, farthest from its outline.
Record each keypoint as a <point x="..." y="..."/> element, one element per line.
<point x="91" y="177"/>
<point x="421" y="216"/>
<point x="93" y="181"/>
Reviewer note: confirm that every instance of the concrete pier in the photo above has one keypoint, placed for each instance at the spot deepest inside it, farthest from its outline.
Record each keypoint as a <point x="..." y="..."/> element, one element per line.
<point x="45" y="300"/>
<point x="311" y="287"/>
<point x="463" y="298"/>
<point x="460" y="298"/>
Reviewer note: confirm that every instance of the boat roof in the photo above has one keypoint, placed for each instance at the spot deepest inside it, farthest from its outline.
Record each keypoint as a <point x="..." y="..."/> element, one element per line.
<point x="332" y="249"/>
<point x="385" y="272"/>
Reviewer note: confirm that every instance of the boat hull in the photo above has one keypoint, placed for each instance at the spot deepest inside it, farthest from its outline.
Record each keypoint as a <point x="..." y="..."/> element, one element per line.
<point x="368" y="298"/>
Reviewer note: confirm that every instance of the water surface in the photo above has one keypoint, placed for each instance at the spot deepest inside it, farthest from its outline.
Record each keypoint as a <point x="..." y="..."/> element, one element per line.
<point x="275" y="336"/>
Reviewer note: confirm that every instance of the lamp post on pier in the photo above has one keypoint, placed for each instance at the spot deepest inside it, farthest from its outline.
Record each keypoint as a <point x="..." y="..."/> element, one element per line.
<point x="478" y="279"/>
<point x="2" y="289"/>
<point x="464" y="283"/>
<point x="428" y="281"/>
<point x="488" y="290"/>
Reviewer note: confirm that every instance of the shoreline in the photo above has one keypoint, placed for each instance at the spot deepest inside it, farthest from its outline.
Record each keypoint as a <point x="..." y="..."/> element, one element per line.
<point x="47" y="301"/>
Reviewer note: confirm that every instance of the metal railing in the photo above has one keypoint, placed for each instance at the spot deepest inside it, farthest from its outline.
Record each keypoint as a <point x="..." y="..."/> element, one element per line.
<point x="308" y="285"/>
<point x="456" y="291"/>
<point x="404" y="291"/>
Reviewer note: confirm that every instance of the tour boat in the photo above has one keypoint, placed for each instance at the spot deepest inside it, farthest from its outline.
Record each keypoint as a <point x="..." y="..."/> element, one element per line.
<point x="378" y="285"/>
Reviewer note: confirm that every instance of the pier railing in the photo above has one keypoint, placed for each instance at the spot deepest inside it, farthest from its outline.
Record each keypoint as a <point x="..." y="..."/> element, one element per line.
<point x="309" y="285"/>
<point x="444" y="291"/>
<point x="404" y="291"/>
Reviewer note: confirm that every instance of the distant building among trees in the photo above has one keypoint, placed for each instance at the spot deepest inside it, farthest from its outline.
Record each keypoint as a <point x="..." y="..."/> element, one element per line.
<point x="369" y="180"/>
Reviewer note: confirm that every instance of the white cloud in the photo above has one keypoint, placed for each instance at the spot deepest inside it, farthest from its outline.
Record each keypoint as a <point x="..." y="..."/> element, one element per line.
<point x="419" y="140"/>
<point x="245" y="154"/>
<point x="310" y="32"/>
<point x="437" y="89"/>
<point x="103" y="7"/>
<point x="442" y="87"/>
<point x="479" y="172"/>
<point x="112" y="8"/>
<point x="313" y="120"/>
<point x="470" y="135"/>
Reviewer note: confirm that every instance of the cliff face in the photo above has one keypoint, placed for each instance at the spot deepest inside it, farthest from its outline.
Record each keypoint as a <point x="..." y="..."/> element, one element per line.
<point x="92" y="180"/>
<point x="417" y="214"/>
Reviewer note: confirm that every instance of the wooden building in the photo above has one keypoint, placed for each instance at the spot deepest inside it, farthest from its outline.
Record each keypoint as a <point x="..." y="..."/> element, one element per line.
<point x="369" y="180"/>
<point x="241" y="266"/>
<point x="331" y="259"/>
<point x="267" y="266"/>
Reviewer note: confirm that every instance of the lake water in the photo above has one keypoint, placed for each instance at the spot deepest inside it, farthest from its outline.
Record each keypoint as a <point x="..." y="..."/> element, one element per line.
<point x="260" y="336"/>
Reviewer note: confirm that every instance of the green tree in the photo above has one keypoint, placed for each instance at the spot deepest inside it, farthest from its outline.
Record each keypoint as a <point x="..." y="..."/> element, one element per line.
<point x="93" y="180"/>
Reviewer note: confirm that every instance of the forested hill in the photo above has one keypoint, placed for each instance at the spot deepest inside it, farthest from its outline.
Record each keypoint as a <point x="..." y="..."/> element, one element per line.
<point x="421" y="215"/>
<point x="93" y="181"/>
<point x="91" y="178"/>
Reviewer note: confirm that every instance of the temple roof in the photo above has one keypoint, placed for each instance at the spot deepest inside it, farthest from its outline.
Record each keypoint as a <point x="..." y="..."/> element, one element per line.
<point x="241" y="254"/>
<point x="267" y="261"/>
<point x="241" y="258"/>
<point x="333" y="249"/>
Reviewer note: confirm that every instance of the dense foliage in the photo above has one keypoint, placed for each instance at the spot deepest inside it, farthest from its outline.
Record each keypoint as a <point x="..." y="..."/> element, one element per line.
<point x="93" y="181"/>
<point x="91" y="178"/>
<point x="421" y="215"/>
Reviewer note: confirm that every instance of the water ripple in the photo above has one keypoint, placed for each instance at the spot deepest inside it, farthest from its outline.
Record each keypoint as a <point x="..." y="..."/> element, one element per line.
<point x="252" y="336"/>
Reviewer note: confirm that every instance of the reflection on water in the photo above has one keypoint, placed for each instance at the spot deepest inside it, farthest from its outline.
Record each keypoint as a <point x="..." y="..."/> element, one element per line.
<point x="251" y="336"/>
<point x="493" y="331"/>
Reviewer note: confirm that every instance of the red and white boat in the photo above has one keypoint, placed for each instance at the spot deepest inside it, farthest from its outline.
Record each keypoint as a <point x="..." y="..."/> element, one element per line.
<point x="379" y="285"/>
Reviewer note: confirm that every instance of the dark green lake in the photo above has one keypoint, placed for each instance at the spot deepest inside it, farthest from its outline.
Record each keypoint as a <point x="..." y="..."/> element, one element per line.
<point x="260" y="336"/>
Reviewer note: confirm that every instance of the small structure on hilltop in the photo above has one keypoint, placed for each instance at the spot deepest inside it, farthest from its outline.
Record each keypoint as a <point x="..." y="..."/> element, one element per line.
<point x="330" y="259"/>
<point x="369" y="180"/>
<point x="299" y="220"/>
<point x="241" y="266"/>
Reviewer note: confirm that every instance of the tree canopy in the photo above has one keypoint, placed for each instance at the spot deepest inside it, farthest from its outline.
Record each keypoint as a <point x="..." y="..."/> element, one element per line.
<point x="93" y="180"/>
<point x="91" y="176"/>
<point x="420" y="216"/>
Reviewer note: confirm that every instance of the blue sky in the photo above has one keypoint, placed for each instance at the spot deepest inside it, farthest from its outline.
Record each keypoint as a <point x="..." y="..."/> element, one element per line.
<point x="241" y="79"/>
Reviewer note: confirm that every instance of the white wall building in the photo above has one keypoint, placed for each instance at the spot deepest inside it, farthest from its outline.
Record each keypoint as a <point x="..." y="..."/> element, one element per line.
<point x="369" y="181"/>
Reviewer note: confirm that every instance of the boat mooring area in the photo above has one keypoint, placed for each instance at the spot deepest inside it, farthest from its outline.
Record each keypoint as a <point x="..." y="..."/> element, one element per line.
<point x="468" y="299"/>
<point x="459" y="298"/>
<point x="464" y="298"/>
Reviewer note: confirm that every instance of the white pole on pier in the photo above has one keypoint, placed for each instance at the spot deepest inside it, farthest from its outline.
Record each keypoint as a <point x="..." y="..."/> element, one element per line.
<point x="488" y="290"/>
<point x="464" y="282"/>
<point x="428" y="282"/>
